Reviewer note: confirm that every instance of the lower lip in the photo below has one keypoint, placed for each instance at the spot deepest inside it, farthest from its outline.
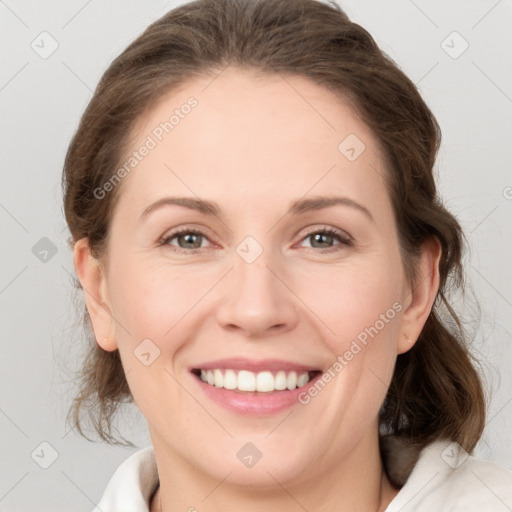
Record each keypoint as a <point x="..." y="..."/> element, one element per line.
<point x="254" y="403"/>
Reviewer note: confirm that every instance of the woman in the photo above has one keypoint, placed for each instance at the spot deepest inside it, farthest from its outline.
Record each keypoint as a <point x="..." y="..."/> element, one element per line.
<point x="265" y="264"/>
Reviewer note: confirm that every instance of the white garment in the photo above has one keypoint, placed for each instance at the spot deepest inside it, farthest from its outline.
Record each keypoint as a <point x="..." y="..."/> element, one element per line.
<point x="444" y="479"/>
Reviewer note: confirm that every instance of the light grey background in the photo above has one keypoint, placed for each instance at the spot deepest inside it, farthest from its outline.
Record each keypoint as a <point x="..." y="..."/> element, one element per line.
<point x="42" y="101"/>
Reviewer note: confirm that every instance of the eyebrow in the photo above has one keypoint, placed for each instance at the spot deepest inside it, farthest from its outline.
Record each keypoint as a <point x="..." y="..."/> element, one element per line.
<point x="297" y="207"/>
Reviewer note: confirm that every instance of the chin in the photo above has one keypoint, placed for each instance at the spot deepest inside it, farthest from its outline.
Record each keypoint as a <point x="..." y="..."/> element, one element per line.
<point x="256" y="462"/>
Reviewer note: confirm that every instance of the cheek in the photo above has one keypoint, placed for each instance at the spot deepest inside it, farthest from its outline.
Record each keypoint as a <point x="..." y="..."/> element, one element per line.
<point x="362" y="310"/>
<point x="353" y="300"/>
<point x="343" y="301"/>
<point x="151" y="302"/>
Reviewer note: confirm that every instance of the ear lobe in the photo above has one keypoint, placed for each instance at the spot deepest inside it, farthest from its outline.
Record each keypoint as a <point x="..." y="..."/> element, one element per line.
<point x="422" y="296"/>
<point x="93" y="280"/>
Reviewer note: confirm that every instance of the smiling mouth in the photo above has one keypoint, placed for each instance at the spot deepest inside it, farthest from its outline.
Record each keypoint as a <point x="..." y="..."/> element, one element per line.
<point x="246" y="381"/>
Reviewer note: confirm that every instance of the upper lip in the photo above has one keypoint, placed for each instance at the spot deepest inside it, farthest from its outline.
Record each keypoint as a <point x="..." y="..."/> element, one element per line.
<point x="241" y="363"/>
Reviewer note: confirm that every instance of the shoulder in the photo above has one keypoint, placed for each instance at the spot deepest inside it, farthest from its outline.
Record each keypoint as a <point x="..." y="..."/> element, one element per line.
<point x="131" y="486"/>
<point x="446" y="478"/>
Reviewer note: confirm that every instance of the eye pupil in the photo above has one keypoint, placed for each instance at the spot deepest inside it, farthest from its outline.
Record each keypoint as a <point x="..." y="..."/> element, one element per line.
<point x="322" y="237"/>
<point x="190" y="238"/>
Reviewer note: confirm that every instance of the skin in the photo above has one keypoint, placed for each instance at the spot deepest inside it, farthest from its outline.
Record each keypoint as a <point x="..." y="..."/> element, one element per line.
<point x="254" y="144"/>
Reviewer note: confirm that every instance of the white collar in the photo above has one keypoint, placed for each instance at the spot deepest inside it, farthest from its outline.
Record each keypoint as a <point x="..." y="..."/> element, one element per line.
<point x="440" y="473"/>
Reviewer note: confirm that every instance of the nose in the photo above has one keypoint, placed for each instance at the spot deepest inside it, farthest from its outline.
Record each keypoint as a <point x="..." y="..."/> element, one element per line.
<point x="256" y="300"/>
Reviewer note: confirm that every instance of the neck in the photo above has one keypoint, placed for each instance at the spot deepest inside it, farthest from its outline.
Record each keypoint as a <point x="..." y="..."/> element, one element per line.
<point x="357" y="484"/>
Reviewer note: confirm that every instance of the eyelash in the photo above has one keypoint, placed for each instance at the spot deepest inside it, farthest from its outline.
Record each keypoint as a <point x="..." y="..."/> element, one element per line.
<point x="344" y="239"/>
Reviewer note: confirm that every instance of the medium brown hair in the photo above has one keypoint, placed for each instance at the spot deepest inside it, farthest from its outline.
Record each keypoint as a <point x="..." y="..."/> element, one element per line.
<point x="435" y="390"/>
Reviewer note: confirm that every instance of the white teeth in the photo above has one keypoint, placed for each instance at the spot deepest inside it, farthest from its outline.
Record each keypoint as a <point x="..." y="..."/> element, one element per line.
<point x="218" y="378"/>
<point x="230" y="381"/>
<point x="291" y="381"/>
<point x="302" y="379"/>
<point x="246" y="381"/>
<point x="264" y="382"/>
<point x="280" y="381"/>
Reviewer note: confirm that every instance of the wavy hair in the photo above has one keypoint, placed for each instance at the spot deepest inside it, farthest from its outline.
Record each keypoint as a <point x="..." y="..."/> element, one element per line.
<point x="435" y="390"/>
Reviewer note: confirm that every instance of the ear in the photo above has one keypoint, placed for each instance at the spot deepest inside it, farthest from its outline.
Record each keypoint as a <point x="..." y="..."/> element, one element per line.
<point x="420" y="299"/>
<point x="93" y="280"/>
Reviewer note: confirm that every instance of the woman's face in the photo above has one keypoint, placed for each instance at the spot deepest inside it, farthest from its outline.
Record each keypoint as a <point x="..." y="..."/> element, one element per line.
<point x="258" y="289"/>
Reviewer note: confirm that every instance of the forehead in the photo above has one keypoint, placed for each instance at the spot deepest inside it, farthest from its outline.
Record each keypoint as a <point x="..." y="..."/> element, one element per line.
<point x="251" y="137"/>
